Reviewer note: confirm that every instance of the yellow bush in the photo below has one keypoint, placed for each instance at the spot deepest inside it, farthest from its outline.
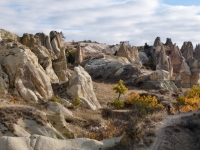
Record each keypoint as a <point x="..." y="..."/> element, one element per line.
<point x="190" y="101"/>
<point x="144" y="104"/>
<point x="133" y="98"/>
<point x="120" y="88"/>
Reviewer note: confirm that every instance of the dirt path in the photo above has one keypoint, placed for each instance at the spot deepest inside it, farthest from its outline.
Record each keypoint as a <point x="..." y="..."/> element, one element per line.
<point x="170" y="121"/>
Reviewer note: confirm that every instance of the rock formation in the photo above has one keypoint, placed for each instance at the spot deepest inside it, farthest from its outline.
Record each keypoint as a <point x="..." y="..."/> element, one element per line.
<point x="157" y="42"/>
<point x="197" y="52"/>
<point x="103" y="66"/>
<point x="80" y="84"/>
<point x="131" y="53"/>
<point x="6" y="35"/>
<point x="50" y="51"/>
<point x="79" y="55"/>
<point x="187" y="50"/>
<point x="164" y="62"/>
<point x="24" y="72"/>
<point x="169" y="43"/>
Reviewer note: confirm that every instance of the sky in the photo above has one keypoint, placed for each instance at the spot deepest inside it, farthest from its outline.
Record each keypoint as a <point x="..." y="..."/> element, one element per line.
<point x="106" y="21"/>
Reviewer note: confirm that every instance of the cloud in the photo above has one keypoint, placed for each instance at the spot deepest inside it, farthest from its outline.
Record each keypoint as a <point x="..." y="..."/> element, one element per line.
<point x="106" y="21"/>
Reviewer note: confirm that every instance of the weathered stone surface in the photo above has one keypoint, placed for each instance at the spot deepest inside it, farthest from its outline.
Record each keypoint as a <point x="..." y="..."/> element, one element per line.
<point x="60" y="66"/>
<point x="131" y="53"/>
<point x="6" y="35"/>
<point x="187" y="50"/>
<point x="169" y="43"/>
<point x="164" y="62"/>
<point x="24" y="72"/>
<point x="36" y="142"/>
<point x="58" y="108"/>
<point x="56" y="42"/>
<point x="4" y="82"/>
<point x="158" y="79"/>
<point x="44" y="40"/>
<point x="197" y="52"/>
<point x="79" y="55"/>
<point x="157" y="42"/>
<point x="103" y="66"/>
<point x="176" y="58"/>
<point x="80" y="84"/>
<point x="45" y="58"/>
<point x="29" y="39"/>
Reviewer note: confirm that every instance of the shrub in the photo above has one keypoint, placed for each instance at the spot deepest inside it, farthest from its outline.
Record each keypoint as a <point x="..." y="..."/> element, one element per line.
<point x="71" y="56"/>
<point x="76" y="101"/>
<point x="117" y="103"/>
<point x="144" y="104"/>
<point x="57" y="99"/>
<point x="190" y="101"/>
<point x="120" y="88"/>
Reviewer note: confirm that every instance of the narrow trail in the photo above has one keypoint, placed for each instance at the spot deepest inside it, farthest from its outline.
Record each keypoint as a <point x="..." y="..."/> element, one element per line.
<point x="168" y="121"/>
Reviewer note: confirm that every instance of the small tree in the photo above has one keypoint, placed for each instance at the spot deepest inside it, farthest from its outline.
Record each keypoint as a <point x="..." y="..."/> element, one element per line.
<point x="120" y="88"/>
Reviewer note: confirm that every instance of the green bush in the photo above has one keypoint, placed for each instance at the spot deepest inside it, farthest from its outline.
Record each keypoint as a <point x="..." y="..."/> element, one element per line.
<point x="76" y="102"/>
<point x="71" y="56"/>
<point x="117" y="104"/>
<point x="57" y="99"/>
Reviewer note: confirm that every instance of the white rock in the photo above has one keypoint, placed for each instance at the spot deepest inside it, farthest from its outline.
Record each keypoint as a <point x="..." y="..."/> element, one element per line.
<point x="80" y="84"/>
<point x="56" y="107"/>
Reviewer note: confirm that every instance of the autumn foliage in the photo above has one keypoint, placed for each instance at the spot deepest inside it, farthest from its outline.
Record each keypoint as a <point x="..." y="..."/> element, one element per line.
<point x="190" y="101"/>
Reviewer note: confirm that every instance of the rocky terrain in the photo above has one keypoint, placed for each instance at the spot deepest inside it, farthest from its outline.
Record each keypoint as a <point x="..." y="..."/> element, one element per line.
<point x="48" y="102"/>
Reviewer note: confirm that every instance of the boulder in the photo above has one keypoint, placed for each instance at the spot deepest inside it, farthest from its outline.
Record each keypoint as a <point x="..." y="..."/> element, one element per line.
<point x="187" y="50"/>
<point x="80" y="84"/>
<point x="103" y="66"/>
<point x="24" y="72"/>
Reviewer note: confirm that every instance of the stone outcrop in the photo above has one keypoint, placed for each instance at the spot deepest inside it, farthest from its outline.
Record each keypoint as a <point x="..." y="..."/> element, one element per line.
<point x="4" y="82"/>
<point x="197" y="52"/>
<point x="158" y="79"/>
<point x="157" y="42"/>
<point x="24" y="72"/>
<point x="169" y="43"/>
<point x="56" y="41"/>
<point x="80" y="84"/>
<point x="79" y="55"/>
<point x="131" y="53"/>
<point x="163" y="62"/>
<point x="103" y="66"/>
<point x="50" y="51"/>
<point x="36" y="142"/>
<point x="6" y="35"/>
<point x="187" y="50"/>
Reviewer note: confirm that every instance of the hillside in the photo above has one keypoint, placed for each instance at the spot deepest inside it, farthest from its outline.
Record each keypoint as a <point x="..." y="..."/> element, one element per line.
<point x="88" y="95"/>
